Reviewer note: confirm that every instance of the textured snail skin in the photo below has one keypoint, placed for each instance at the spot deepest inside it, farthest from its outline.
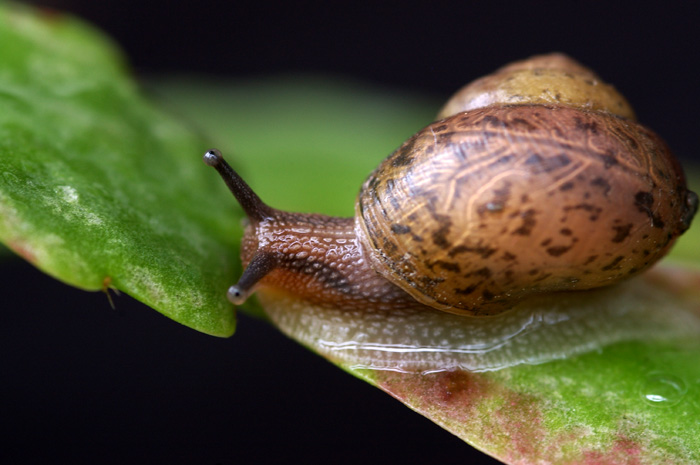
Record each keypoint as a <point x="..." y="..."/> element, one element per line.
<point x="485" y="208"/>
<point x="318" y="259"/>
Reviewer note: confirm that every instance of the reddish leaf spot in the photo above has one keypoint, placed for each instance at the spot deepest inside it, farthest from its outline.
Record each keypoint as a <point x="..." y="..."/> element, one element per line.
<point x="627" y="446"/>
<point x="22" y="251"/>
<point x="471" y="405"/>
<point x="623" y="451"/>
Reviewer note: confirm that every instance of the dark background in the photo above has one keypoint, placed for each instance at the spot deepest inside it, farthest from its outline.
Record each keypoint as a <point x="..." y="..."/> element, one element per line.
<point x="84" y="382"/>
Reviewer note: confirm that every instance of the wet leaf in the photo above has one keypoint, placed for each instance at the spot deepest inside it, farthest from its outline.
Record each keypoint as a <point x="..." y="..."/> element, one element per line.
<point x="95" y="183"/>
<point x="635" y="401"/>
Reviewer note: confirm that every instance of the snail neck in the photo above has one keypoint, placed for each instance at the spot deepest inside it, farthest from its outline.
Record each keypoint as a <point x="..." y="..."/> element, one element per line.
<point x="314" y="258"/>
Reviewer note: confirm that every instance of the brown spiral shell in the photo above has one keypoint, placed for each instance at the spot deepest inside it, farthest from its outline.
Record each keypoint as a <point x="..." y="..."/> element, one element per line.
<point x="498" y="203"/>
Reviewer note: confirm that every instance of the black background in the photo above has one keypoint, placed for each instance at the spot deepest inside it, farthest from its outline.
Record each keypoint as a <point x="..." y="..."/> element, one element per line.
<point x="84" y="382"/>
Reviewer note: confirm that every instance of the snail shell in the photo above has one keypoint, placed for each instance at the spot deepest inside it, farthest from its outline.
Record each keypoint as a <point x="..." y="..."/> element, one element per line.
<point x="501" y="202"/>
<point x="536" y="180"/>
<point x="553" y="79"/>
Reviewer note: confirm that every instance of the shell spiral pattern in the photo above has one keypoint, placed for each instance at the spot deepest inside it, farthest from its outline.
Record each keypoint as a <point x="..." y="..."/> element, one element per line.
<point x="501" y="202"/>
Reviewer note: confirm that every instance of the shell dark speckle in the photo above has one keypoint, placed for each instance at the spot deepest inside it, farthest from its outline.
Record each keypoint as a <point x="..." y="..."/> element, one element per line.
<point x="550" y="192"/>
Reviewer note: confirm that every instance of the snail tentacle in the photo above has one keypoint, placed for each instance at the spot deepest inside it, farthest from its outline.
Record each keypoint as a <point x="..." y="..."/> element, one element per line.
<point x="253" y="206"/>
<point x="259" y="267"/>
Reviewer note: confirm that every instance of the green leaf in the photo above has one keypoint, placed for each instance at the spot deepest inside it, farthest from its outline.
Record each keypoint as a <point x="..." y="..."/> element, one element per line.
<point x="96" y="183"/>
<point x="100" y="189"/>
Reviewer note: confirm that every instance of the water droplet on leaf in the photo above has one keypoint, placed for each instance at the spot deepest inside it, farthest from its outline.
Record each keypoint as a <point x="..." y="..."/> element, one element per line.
<point x="663" y="389"/>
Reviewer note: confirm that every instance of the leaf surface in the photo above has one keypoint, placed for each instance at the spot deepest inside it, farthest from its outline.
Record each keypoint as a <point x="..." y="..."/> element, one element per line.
<point x="97" y="187"/>
<point x="100" y="189"/>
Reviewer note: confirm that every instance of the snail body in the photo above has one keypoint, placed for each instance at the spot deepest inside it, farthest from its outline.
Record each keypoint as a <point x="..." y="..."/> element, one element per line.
<point x="485" y="207"/>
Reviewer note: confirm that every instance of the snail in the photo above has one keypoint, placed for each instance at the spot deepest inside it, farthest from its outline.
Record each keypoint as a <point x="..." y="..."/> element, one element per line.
<point x="534" y="180"/>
